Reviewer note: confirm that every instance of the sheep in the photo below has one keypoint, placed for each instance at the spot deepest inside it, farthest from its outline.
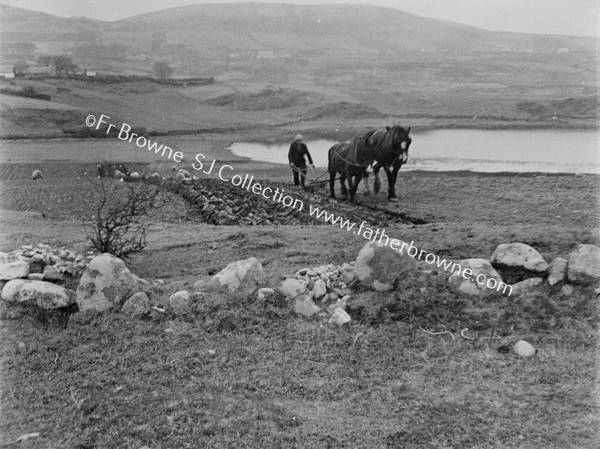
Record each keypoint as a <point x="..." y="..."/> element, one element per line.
<point x="135" y="175"/>
<point x="37" y="174"/>
<point x="118" y="174"/>
<point x="184" y="173"/>
<point x="180" y="176"/>
<point x="155" y="175"/>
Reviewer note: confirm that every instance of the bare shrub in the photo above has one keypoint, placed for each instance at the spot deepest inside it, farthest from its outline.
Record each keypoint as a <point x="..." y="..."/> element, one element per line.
<point x="120" y="218"/>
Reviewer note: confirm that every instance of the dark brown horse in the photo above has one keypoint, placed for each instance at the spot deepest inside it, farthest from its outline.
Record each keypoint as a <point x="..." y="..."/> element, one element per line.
<point x="350" y="160"/>
<point x="390" y="152"/>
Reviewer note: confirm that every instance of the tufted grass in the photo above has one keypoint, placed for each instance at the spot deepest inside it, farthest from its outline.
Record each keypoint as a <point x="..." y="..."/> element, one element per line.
<point x="277" y="380"/>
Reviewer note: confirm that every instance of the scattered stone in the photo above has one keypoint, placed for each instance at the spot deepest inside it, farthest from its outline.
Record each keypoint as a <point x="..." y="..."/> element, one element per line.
<point x="319" y="289"/>
<point x="138" y="304"/>
<point x="567" y="290"/>
<point x="52" y="274"/>
<point x="180" y="302"/>
<point x="339" y="304"/>
<point x="45" y="294"/>
<point x="14" y="270"/>
<point x="557" y="271"/>
<point x="21" y="347"/>
<point x="264" y="292"/>
<point x="465" y="280"/>
<point x="292" y="288"/>
<point x="212" y="353"/>
<point x="524" y="349"/>
<point x="340" y="317"/>
<point x="503" y="349"/>
<point x="380" y="267"/>
<point x="304" y="305"/>
<point x="200" y="285"/>
<point x="526" y="286"/>
<point x="105" y="283"/>
<point x="583" y="265"/>
<point x="241" y="278"/>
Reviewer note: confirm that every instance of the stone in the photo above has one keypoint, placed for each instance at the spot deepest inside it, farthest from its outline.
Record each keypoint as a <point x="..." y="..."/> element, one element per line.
<point x="200" y="285"/>
<point x="138" y="304"/>
<point x="339" y="317"/>
<point x="292" y="288"/>
<point x="241" y="278"/>
<point x="526" y="286"/>
<point x="304" y="305"/>
<point x="348" y="276"/>
<point x="524" y="349"/>
<point x="45" y="294"/>
<point x="379" y="267"/>
<point x="583" y="266"/>
<point x="341" y="303"/>
<point x="14" y="270"/>
<point x="567" y="290"/>
<point x="319" y="289"/>
<point x="466" y="282"/>
<point x="557" y="271"/>
<point x="36" y="276"/>
<point x="321" y="270"/>
<point x="180" y="302"/>
<point x="264" y="293"/>
<point x="520" y="256"/>
<point x="105" y="283"/>
<point x="3" y="257"/>
<point x="52" y="274"/>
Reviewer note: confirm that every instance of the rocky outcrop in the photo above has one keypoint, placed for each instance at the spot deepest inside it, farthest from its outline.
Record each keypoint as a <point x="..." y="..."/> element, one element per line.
<point x="106" y="283"/>
<point x="45" y="294"/>
<point x="584" y="265"/>
<point x="241" y="278"/>
<point x="481" y="279"/>
<point x="518" y="261"/>
<point x="379" y="267"/>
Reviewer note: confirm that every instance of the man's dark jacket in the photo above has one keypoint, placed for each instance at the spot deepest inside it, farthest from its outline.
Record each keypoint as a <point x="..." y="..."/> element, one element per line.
<point x="298" y="151"/>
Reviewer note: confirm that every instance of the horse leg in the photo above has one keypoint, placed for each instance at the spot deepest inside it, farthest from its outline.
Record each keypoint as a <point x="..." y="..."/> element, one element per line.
<point x="343" y="184"/>
<point x="354" y="186"/>
<point x="366" y="178"/>
<point x="376" y="177"/>
<point x="332" y="183"/>
<point x="392" y="176"/>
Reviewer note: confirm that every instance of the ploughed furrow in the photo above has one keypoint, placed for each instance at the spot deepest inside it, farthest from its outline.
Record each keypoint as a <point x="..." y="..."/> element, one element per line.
<point x="222" y="203"/>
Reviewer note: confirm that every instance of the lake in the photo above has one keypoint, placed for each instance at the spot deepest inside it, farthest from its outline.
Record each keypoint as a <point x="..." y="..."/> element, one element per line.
<point x="547" y="151"/>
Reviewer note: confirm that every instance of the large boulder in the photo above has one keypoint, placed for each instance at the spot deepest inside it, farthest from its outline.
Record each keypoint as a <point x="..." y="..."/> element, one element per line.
<point x="241" y="278"/>
<point x="45" y="294"/>
<point x="584" y="265"/>
<point x="105" y="283"/>
<point x="518" y="261"/>
<point x="477" y="277"/>
<point x="380" y="267"/>
<point x="14" y="270"/>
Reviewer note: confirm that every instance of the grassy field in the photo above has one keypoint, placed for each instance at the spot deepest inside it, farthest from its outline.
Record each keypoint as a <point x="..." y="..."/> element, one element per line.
<point x="279" y="380"/>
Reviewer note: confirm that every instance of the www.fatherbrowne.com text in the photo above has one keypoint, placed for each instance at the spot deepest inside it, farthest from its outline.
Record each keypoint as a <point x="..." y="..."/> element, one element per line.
<point x="225" y="172"/>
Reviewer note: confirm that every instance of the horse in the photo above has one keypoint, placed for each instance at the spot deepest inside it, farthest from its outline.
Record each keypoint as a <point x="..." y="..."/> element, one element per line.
<point x="350" y="160"/>
<point x="390" y="146"/>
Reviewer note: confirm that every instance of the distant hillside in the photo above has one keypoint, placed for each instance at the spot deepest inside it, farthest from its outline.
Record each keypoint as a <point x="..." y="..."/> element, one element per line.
<point x="265" y="32"/>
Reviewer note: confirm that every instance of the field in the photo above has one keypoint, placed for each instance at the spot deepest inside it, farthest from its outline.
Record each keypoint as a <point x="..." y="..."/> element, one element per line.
<point x="280" y="380"/>
<point x="420" y="367"/>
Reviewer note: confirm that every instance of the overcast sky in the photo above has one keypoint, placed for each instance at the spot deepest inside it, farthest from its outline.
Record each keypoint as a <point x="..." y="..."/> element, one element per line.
<point x="568" y="17"/>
